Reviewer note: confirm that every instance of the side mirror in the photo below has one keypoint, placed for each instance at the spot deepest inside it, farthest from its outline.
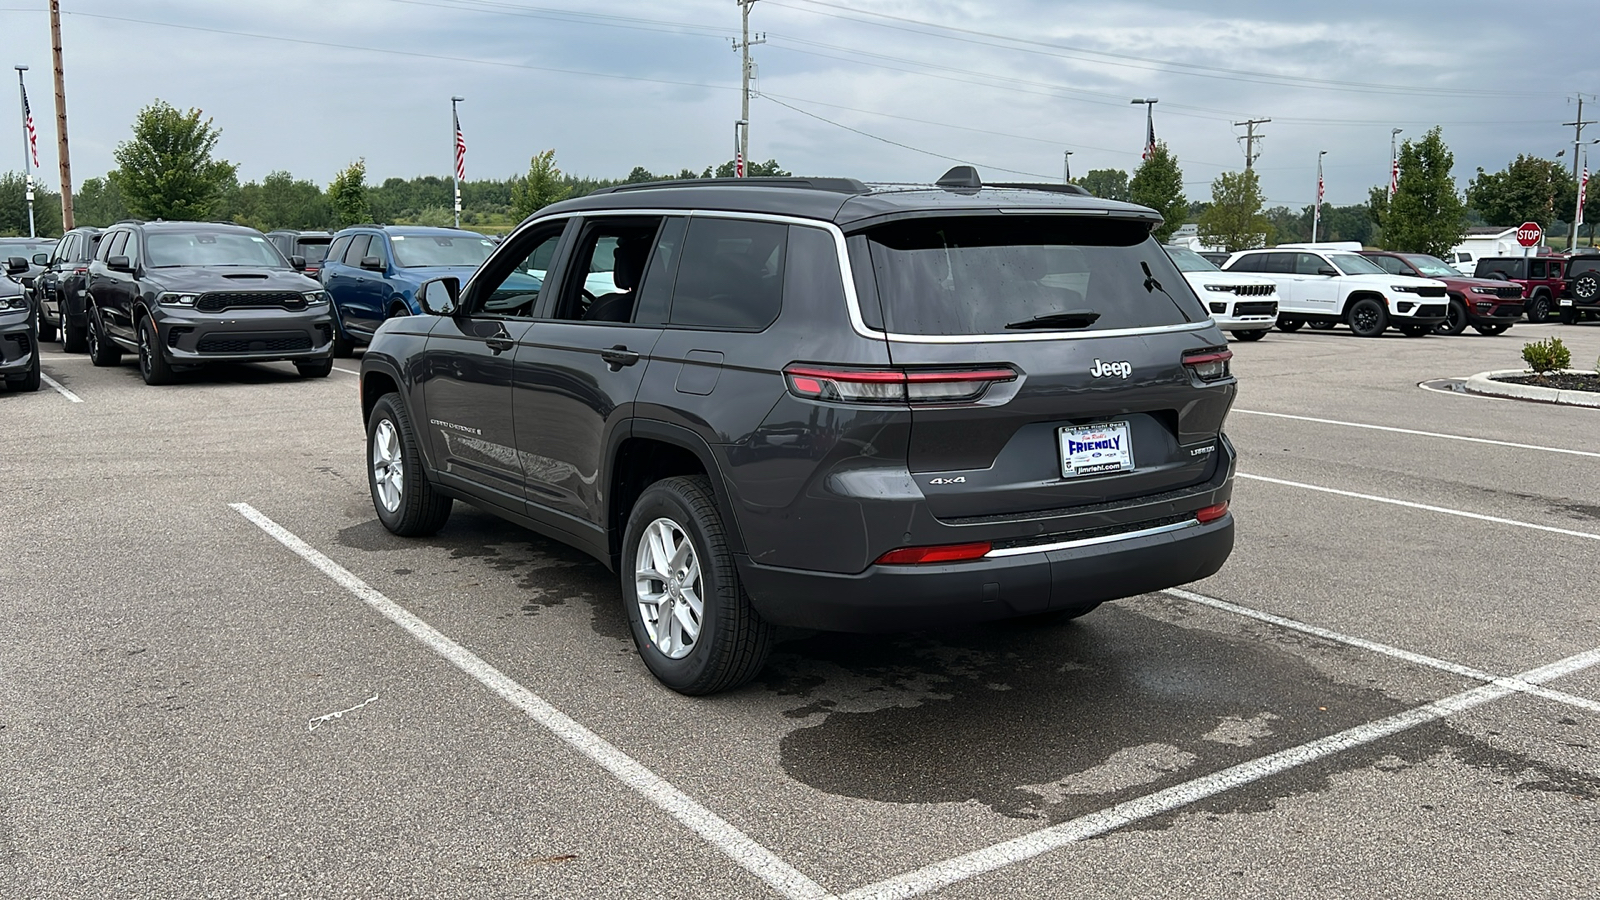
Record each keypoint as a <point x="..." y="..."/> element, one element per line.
<point x="439" y="297"/>
<point x="119" y="264"/>
<point x="298" y="262"/>
<point x="1328" y="270"/>
<point x="41" y="259"/>
<point x="372" y="263"/>
<point x="16" y="265"/>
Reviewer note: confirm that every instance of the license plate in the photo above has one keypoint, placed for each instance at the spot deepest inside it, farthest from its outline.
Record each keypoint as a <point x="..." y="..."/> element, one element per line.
<point x="1565" y="301"/>
<point x="1095" y="449"/>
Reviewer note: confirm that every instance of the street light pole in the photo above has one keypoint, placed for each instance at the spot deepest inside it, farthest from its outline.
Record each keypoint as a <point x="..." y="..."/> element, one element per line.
<point x="460" y="155"/>
<point x="27" y="148"/>
<point x="1316" y="211"/>
<point x="1066" y="167"/>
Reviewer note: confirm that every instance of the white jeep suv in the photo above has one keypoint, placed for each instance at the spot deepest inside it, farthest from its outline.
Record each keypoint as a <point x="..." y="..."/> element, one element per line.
<point x="1246" y="306"/>
<point x="1327" y="287"/>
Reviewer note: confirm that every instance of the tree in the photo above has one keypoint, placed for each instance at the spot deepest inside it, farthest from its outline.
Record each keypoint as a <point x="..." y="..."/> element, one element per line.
<point x="1527" y="189"/>
<point x="1426" y="214"/>
<point x="1158" y="184"/>
<point x="1234" y="220"/>
<point x="167" y="171"/>
<point x="280" y="201"/>
<point x="14" y="208"/>
<point x="348" y="195"/>
<point x="639" y="175"/>
<point x="98" y="203"/>
<point x="543" y="186"/>
<point x="770" y="168"/>
<point x="1107" y="184"/>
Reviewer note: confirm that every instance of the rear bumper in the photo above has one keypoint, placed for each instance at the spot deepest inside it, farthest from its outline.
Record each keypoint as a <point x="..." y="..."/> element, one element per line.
<point x="902" y="598"/>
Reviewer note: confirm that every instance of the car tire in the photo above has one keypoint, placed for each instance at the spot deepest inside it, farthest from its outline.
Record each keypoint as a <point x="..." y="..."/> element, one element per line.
<point x="153" y="365"/>
<point x="1538" y="308"/>
<point x="316" y="368"/>
<point x="1490" y="330"/>
<point x="101" y="351"/>
<point x="1254" y="334"/>
<point x="47" y="331"/>
<point x="1455" y="319"/>
<point x="343" y="347"/>
<point x="74" y="338"/>
<point x="1322" y="325"/>
<point x="29" y="381"/>
<point x="1416" y="330"/>
<point x="1569" y="316"/>
<point x="1289" y="324"/>
<point x="675" y="524"/>
<point x="406" y="502"/>
<point x="1586" y="287"/>
<point x="1367" y="318"/>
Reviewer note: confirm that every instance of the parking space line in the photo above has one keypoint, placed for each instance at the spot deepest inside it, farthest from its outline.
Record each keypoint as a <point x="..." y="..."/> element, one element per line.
<point x="1424" y="506"/>
<point x="347" y="371"/>
<point x="943" y="874"/>
<point x="59" y="388"/>
<point x="735" y="844"/>
<point x="1432" y="434"/>
<point x="1387" y="650"/>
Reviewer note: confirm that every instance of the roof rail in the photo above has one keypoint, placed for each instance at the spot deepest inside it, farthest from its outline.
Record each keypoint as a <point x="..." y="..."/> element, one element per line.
<point x="832" y="185"/>
<point x="129" y="222"/>
<point x="1050" y="186"/>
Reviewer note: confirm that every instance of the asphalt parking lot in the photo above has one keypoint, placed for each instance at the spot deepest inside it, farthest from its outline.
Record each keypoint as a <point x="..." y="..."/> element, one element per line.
<point x="1391" y="690"/>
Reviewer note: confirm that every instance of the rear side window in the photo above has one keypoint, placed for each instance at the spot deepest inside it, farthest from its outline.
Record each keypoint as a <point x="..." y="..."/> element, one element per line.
<point x="1536" y="269"/>
<point x="730" y="274"/>
<point x="1247" y="263"/>
<point x="993" y="275"/>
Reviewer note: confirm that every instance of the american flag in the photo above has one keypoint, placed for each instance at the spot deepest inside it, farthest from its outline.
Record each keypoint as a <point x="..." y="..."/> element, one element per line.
<point x="738" y="164"/>
<point x="1149" y="138"/>
<point x="1321" y="192"/>
<point x="27" y="123"/>
<point x="461" y="148"/>
<point x="1583" y="195"/>
<point x="1394" y="177"/>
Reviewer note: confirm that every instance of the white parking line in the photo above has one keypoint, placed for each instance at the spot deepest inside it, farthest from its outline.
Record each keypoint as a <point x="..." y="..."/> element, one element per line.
<point x="59" y="389"/>
<point x="1396" y="652"/>
<point x="754" y="858"/>
<point x="1432" y="434"/>
<point x="960" y="868"/>
<point x="1423" y="506"/>
<point x="347" y="371"/>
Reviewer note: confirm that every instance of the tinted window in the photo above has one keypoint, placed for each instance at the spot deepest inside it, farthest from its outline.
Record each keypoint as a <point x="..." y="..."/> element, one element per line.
<point x="1536" y="269"/>
<point x="336" y="252"/>
<point x="357" y="250"/>
<point x="1278" y="263"/>
<point x="1249" y="263"/>
<point x="994" y="274"/>
<point x="210" y="248"/>
<point x="812" y="279"/>
<point x="115" y="245"/>
<point x="1308" y="264"/>
<point x="94" y="245"/>
<point x="65" y="249"/>
<point x="656" y="293"/>
<point x="1391" y="265"/>
<point x="411" y="250"/>
<point x="731" y="274"/>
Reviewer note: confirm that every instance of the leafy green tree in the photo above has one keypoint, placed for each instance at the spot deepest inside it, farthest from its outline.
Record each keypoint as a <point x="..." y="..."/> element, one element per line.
<point x="543" y="186"/>
<point x="281" y="201"/>
<point x="1346" y="223"/>
<point x="1289" y="225"/>
<point x="1108" y="184"/>
<point x="167" y="170"/>
<point x="347" y="195"/>
<point x="1234" y="220"/>
<point x="1527" y="189"/>
<point x="1158" y="184"/>
<point x="639" y="175"/>
<point x="1426" y="214"/>
<point x="98" y="203"/>
<point x="14" y="208"/>
<point x="770" y="168"/>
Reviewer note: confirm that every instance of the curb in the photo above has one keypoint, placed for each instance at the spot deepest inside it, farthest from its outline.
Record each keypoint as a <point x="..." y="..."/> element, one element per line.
<point x="1483" y="383"/>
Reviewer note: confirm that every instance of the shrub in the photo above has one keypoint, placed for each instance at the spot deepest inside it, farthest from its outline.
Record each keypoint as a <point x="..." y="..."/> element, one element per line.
<point x="1546" y="356"/>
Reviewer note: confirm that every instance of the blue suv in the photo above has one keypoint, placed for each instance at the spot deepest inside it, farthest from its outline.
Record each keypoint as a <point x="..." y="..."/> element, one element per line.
<point x="372" y="273"/>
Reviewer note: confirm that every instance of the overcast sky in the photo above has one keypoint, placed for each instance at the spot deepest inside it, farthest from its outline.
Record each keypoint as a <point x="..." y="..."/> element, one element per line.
<point x="1006" y="84"/>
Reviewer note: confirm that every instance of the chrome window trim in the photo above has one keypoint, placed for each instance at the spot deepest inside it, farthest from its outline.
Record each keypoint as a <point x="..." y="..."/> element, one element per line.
<point x="1090" y="542"/>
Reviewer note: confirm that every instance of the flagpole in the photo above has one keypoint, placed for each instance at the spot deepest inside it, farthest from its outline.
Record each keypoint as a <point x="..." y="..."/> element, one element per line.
<point x="1316" y="211"/>
<point x="27" y="159"/>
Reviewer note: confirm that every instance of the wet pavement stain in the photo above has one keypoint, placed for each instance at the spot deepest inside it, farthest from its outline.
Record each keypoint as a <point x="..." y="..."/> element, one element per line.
<point x="1053" y="723"/>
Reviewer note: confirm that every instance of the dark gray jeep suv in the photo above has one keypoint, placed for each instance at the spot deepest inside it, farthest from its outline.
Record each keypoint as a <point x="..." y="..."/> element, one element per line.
<point x="819" y="403"/>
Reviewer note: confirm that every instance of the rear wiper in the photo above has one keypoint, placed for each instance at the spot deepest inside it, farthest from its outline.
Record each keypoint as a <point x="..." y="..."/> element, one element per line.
<point x="1072" y="318"/>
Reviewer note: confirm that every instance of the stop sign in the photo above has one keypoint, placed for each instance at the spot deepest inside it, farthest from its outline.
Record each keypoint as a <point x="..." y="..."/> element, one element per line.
<point x="1529" y="234"/>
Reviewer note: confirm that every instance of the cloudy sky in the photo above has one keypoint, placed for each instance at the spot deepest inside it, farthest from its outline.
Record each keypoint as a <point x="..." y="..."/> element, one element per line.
<point x="876" y="89"/>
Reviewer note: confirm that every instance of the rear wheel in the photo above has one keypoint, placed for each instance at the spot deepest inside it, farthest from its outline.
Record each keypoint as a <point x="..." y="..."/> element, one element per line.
<point x="47" y="331"/>
<point x="74" y="338"/>
<point x="1569" y="316"/>
<point x="1289" y="323"/>
<point x="1367" y="318"/>
<point x="101" y="351"/>
<point x="153" y="365"/>
<point x="691" y="620"/>
<point x="1254" y="334"/>
<point x="1538" y="308"/>
<point x="406" y="503"/>
<point x="1586" y="287"/>
<point x="1455" y="320"/>
<point x="1490" y="330"/>
<point x="343" y="347"/>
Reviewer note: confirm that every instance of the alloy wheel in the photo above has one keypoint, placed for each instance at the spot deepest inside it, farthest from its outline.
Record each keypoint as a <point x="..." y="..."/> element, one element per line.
<point x="388" y="466"/>
<point x="670" y="588"/>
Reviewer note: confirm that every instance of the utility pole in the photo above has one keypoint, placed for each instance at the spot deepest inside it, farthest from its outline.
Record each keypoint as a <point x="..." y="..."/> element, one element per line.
<point x="1316" y="211"/>
<point x="27" y="149"/>
<point x="1577" y="139"/>
<point x="61" y="119"/>
<point x="746" y="70"/>
<point x="1250" y="139"/>
<point x="1394" y="163"/>
<point x="1066" y="167"/>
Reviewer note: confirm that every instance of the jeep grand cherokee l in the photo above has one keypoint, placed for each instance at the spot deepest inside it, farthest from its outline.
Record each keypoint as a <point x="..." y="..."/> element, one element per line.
<point x="182" y="294"/>
<point x="816" y="403"/>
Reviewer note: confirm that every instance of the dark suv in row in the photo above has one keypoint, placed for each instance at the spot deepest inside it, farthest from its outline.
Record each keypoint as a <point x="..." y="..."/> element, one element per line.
<point x="62" y="288"/>
<point x="182" y="294"/>
<point x="1582" y="298"/>
<point x="818" y="403"/>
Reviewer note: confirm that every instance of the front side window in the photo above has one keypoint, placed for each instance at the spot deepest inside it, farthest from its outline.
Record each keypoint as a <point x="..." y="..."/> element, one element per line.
<point x="167" y="249"/>
<point x="996" y="275"/>
<point x="113" y="245"/>
<point x="1391" y="265"/>
<point x="420" y="250"/>
<point x="730" y="274"/>
<point x="512" y="286"/>
<point x="1309" y="264"/>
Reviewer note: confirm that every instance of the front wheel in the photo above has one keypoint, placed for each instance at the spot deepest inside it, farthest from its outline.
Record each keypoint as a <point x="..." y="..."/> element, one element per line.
<point x="47" y="331"/>
<point x="153" y="366"/>
<point x="74" y="338"/>
<point x="1538" y="309"/>
<point x="343" y="347"/>
<point x="1255" y="334"/>
<point x="1490" y="330"/>
<point x="1367" y="318"/>
<point x="691" y="620"/>
<point x="101" y="351"/>
<point x="406" y="503"/>
<point x="1455" y="320"/>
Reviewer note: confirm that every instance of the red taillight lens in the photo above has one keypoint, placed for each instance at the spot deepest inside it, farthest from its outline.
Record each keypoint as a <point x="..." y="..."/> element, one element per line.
<point x="916" y="556"/>
<point x="1209" y="364"/>
<point x="893" y="385"/>
<point x="81" y="271"/>
<point x="1212" y="513"/>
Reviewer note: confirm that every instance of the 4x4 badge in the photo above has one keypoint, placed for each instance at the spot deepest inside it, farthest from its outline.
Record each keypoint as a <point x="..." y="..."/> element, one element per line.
<point x="1108" y="369"/>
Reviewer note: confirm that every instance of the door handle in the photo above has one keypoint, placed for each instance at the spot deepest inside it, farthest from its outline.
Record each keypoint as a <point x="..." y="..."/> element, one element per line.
<point x="499" y="344"/>
<point x="619" y="356"/>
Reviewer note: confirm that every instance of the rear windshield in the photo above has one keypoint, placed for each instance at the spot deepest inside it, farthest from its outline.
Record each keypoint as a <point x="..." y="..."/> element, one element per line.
<point x="314" y="250"/>
<point x="212" y="248"/>
<point x="1009" y="275"/>
<point x="411" y="250"/>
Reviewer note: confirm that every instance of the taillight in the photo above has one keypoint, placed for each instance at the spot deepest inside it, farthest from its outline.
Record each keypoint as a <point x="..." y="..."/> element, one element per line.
<point x="1212" y="513"/>
<point x="1208" y="364"/>
<point x="83" y="270"/>
<point x="893" y="385"/>
<point x="916" y="556"/>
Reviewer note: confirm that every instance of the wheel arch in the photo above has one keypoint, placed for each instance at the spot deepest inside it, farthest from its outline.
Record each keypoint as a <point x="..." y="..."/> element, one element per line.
<point x="647" y="451"/>
<point x="1357" y="296"/>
